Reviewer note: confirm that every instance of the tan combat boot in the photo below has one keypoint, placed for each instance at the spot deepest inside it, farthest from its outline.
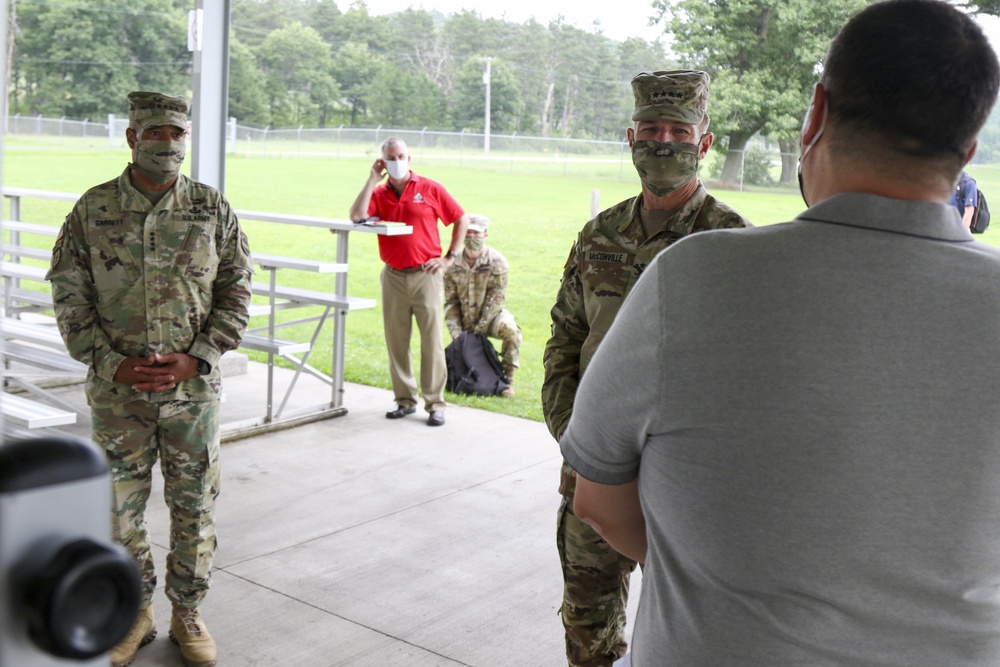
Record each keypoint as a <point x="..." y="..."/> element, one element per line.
<point x="509" y="391"/>
<point x="143" y="631"/>
<point x="188" y="631"/>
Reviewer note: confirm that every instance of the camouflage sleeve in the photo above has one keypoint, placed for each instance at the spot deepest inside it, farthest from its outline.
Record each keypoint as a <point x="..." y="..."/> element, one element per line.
<point x="493" y="300"/>
<point x="562" y="352"/>
<point x="452" y="305"/>
<point x="74" y="299"/>
<point x="226" y="324"/>
<point x="717" y="215"/>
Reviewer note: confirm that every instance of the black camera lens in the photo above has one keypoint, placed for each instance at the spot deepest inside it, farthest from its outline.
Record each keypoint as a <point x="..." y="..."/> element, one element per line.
<point x="84" y="600"/>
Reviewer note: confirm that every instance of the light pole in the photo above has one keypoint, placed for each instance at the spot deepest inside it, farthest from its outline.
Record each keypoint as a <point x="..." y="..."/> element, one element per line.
<point x="486" y="131"/>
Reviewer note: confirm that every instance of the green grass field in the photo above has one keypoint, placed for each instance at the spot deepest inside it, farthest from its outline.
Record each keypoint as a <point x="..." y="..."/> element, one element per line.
<point x="534" y="221"/>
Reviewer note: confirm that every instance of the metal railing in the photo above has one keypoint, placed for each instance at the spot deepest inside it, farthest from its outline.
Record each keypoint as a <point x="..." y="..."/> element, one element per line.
<point x="336" y="310"/>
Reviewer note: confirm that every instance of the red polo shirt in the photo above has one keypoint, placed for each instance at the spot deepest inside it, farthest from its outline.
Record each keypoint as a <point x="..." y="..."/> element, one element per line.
<point x="422" y="204"/>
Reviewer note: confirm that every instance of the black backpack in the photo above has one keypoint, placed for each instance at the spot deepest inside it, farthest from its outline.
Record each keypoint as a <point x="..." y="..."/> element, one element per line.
<point x="981" y="214"/>
<point x="474" y="366"/>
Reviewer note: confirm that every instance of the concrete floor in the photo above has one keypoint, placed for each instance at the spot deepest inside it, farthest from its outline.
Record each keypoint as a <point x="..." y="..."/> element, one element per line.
<point x="364" y="541"/>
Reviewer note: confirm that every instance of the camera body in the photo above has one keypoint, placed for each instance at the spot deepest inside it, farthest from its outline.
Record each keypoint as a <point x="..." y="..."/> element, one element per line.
<point x="67" y="593"/>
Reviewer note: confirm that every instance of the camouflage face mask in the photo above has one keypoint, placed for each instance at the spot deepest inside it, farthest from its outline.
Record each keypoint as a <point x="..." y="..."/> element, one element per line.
<point x="664" y="166"/>
<point x="474" y="243"/>
<point x="159" y="161"/>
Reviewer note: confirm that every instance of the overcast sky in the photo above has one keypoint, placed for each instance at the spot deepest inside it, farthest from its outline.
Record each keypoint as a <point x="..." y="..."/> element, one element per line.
<point x="619" y="19"/>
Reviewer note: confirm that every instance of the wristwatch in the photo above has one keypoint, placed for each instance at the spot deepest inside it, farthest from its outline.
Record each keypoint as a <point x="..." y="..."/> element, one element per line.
<point x="452" y="255"/>
<point x="204" y="368"/>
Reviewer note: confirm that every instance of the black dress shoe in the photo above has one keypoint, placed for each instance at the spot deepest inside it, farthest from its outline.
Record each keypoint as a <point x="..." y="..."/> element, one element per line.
<point x="436" y="418"/>
<point x="399" y="412"/>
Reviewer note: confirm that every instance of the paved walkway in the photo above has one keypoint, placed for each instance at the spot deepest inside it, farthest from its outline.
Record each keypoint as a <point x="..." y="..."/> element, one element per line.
<point x="364" y="541"/>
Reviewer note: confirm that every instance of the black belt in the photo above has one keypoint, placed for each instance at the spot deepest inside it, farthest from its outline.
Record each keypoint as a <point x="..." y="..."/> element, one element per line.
<point x="408" y="269"/>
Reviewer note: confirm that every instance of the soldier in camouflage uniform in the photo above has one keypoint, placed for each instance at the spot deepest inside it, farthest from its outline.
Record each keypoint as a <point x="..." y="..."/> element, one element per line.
<point x="669" y="139"/>
<point x="151" y="283"/>
<point x="475" y="290"/>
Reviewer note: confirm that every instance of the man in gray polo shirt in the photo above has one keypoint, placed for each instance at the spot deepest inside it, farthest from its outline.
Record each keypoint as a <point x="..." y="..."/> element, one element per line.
<point x="794" y="426"/>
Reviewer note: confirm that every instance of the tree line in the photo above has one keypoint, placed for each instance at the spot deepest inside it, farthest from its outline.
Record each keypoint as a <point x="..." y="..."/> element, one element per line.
<point x="307" y="63"/>
<point x="311" y="63"/>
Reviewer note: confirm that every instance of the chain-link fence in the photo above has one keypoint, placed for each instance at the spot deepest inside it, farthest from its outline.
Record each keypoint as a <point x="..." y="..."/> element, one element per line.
<point x="500" y="152"/>
<point x="39" y="126"/>
<point x="760" y="164"/>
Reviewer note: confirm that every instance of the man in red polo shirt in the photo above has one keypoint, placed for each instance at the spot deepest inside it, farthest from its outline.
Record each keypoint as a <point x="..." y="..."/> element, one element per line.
<point x="413" y="277"/>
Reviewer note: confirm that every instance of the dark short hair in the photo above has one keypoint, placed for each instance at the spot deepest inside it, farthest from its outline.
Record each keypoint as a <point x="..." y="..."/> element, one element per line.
<point x="917" y="77"/>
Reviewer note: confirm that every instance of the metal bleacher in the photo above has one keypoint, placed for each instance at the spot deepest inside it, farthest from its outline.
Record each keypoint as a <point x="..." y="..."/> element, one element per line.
<point x="35" y="351"/>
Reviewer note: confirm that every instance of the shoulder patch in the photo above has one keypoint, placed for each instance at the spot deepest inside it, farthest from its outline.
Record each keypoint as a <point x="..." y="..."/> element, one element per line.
<point x="569" y="258"/>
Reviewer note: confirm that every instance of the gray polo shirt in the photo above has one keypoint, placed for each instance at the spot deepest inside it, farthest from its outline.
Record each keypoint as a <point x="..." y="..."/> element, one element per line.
<point x="811" y="410"/>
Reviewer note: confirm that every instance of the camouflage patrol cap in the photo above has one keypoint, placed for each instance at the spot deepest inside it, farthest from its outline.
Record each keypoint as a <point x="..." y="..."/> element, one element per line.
<point x="478" y="223"/>
<point x="680" y="95"/>
<point x="147" y="109"/>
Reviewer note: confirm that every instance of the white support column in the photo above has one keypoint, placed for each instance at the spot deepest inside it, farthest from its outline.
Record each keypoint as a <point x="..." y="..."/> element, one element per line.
<point x="208" y="38"/>
<point x="3" y="130"/>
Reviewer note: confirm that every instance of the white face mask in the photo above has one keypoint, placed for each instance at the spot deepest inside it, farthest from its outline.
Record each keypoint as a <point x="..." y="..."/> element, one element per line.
<point x="805" y="151"/>
<point x="819" y="132"/>
<point x="397" y="168"/>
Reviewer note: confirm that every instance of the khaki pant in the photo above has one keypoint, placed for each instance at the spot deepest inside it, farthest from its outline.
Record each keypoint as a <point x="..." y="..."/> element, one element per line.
<point x="406" y="296"/>
<point x="184" y="435"/>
